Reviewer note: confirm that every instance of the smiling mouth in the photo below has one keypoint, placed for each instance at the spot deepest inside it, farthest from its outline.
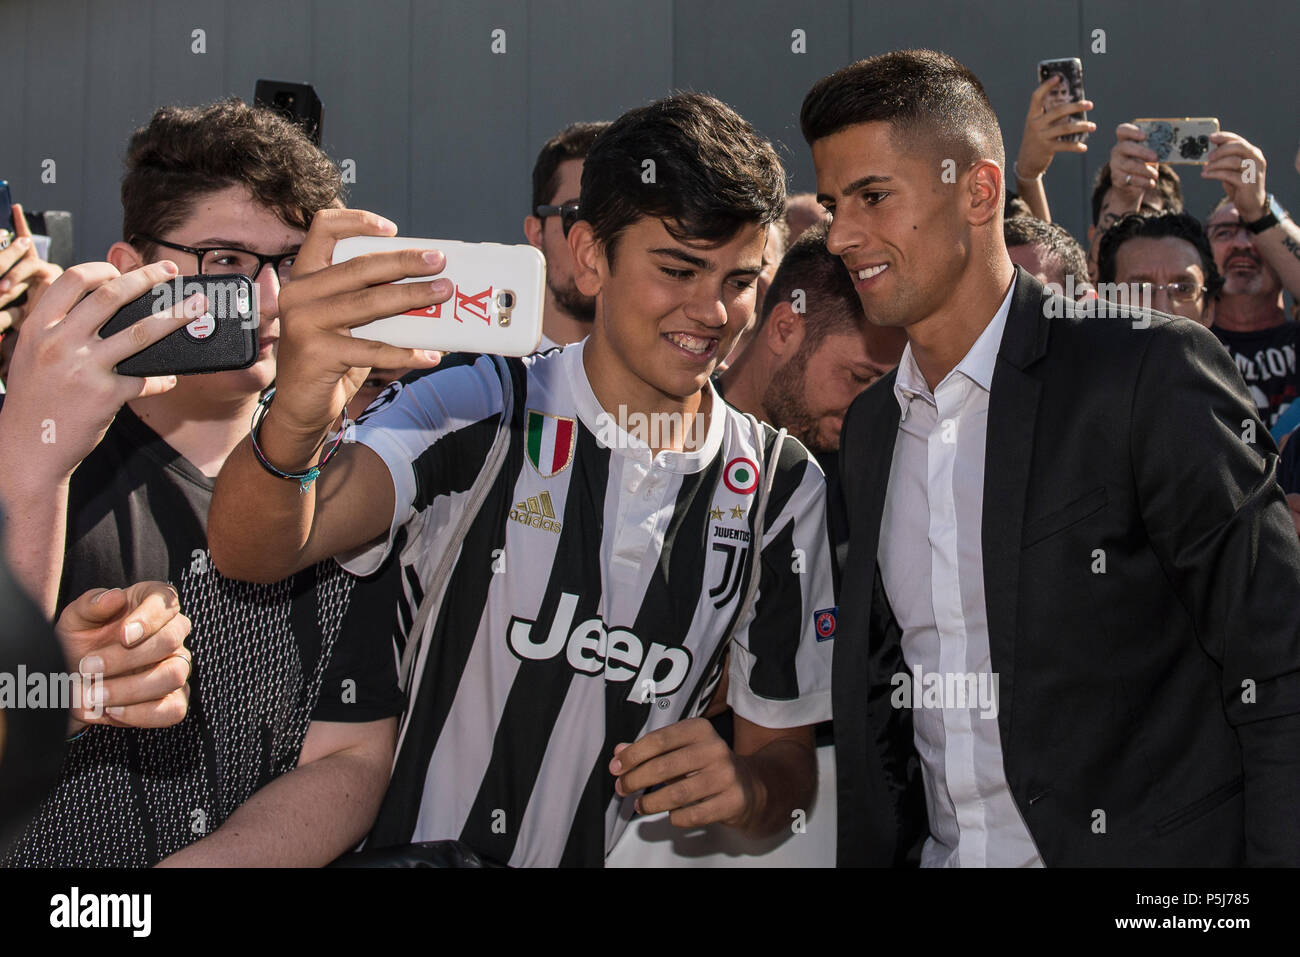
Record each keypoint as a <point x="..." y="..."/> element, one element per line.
<point x="870" y="272"/>
<point x="1240" y="263"/>
<point x="699" y="347"/>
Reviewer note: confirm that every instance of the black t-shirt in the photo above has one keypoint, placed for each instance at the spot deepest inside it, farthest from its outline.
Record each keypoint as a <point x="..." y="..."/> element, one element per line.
<point x="1267" y="360"/>
<point x="268" y="659"/>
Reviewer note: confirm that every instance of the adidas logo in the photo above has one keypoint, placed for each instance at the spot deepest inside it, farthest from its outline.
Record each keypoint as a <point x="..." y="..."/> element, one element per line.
<point x="536" y="512"/>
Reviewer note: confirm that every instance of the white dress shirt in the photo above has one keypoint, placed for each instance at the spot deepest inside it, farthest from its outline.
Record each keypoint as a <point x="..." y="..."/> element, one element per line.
<point x="932" y="566"/>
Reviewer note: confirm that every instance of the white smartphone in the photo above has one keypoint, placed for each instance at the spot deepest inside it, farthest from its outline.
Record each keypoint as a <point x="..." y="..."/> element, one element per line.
<point x="496" y="307"/>
<point x="1179" y="139"/>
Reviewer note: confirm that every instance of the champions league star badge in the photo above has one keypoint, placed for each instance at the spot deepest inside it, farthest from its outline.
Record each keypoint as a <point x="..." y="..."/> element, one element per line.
<point x="824" y="620"/>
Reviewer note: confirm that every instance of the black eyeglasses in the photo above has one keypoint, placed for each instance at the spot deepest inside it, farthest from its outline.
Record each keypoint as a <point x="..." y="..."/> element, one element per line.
<point x="568" y="214"/>
<point x="230" y="260"/>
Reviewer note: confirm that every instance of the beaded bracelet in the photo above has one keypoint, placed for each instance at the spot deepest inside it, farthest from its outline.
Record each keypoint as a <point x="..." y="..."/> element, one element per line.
<point x="307" y="477"/>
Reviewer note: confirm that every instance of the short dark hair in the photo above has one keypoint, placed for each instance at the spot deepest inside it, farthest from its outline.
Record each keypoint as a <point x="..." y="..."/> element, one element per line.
<point x="831" y="302"/>
<point x="689" y="160"/>
<point x="186" y="152"/>
<point x="1015" y="206"/>
<point x="572" y="142"/>
<point x="1176" y="225"/>
<point x="1051" y="240"/>
<point x="922" y="94"/>
<point x="1168" y="185"/>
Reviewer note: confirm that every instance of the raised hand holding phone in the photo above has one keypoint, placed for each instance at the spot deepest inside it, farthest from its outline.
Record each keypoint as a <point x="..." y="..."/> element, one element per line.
<point x="320" y="365"/>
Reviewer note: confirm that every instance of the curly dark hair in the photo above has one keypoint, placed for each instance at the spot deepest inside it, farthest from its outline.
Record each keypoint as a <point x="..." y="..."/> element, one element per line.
<point x="1168" y="185"/>
<point x="1178" y="225"/>
<point x="1050" y="239"/>
<point x="186" y="152"/>
<point x="712" y="172"/>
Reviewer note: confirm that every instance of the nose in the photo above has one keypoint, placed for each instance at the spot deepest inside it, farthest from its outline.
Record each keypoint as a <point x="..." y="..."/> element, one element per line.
<point x="843" y="236"/>
<point x="706" y="307"/>
<point x="268" y="293"/>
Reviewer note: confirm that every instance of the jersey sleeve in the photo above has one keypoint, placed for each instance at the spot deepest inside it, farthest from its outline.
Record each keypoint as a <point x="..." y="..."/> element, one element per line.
<point x="360" y="678"/>
<point x="434" y="434"/>
<point x="780" y="670"/>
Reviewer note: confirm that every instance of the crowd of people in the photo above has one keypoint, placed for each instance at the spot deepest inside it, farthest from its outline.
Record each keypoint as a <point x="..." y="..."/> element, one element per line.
<point x="494" y="614"/>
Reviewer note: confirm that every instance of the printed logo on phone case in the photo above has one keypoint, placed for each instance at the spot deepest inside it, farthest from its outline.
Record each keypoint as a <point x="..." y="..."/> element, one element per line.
<point x="464" y="306"/>
<point x="202" y="327"/>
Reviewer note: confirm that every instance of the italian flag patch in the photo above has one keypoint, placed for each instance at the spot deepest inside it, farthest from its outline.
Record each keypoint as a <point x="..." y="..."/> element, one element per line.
<point x="550" y="442"/>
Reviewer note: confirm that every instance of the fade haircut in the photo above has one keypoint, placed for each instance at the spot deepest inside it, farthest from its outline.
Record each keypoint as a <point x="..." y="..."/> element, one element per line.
<point x="1168" y="186"/>
<point x="712" y="173"/>
<point x="832" y="303"/>
<point x="572" y="142"/>
<point x="187" y="152"/>
<point x="929" y="100"/>
<point x="1052" y="241"/>
<point x="1166" y="225"/>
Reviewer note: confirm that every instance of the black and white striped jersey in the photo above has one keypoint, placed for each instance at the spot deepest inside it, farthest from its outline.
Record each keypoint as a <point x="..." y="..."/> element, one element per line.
<point x="589" y="604"/>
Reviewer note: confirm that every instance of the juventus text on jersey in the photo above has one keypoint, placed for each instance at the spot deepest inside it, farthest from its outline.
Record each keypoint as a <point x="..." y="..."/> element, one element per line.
<point x="589" y="604"/>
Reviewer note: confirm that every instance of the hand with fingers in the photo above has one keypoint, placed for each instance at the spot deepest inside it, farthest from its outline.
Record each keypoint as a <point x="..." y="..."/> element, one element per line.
<point x="22" y="271"/>
<point x="63" y="391"/>
<point x="320" y="366"/>
<point x="699" y="778"/>
<point x="1239" y="165"/>
<point x="129" y="646"/>
<point x="1132" y="166"/>
<point x="1044" y="128"/>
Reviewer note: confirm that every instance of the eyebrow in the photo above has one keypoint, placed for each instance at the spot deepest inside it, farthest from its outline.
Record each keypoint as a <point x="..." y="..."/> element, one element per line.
<point x="223" y="243"/>
<point x="700" y="263"/>
<point x="854" y="186"/>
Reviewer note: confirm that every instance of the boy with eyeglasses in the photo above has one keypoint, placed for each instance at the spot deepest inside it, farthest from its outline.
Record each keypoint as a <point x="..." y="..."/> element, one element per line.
<point x="286" y="749"/>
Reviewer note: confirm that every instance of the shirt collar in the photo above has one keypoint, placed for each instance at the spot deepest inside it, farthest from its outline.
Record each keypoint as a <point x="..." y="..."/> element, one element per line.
<point x="605" y="426"/>
<point x="977" y="365"/>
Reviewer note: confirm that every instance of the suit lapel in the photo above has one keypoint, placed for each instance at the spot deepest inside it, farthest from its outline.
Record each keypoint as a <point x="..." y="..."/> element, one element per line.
<point x="1009" y="446"/>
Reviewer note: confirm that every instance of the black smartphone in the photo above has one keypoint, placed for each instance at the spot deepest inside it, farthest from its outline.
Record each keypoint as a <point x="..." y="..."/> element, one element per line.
<point x="6" y="214"/>
<point x="223" y="338"/>
<point x="1069" y="89"/>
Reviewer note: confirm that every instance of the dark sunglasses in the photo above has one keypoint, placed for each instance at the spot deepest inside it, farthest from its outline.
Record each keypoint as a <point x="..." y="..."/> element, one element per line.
<point x="568" y="214"/>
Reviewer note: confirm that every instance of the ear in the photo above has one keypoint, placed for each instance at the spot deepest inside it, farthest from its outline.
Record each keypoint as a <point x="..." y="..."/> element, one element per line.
<point x="533" y="231"/>
<point x="984" y="188"/>
<point x="124" y="257"/>
<point x="784" y="330"/>
<point x="1092" y="232"/>
<point x="589" y="264"/>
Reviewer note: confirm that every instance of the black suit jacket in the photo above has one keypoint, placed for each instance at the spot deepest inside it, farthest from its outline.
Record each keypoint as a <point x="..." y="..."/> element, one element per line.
<point x="1142" y="580"/>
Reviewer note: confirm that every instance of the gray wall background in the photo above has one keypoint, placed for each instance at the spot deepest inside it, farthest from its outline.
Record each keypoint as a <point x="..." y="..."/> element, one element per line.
<point x="443" y="132"/>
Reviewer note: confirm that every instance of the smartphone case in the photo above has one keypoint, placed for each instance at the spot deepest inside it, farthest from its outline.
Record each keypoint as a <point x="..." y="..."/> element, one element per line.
<point x="1183" y="139"/>
<point x="224" y="338"/>
<point x="496" y="307"/>
<point x="1071" y="69"/>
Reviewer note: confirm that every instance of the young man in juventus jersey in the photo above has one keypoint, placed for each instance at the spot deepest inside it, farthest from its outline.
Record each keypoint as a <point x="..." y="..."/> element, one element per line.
<point x="599" y="580"/>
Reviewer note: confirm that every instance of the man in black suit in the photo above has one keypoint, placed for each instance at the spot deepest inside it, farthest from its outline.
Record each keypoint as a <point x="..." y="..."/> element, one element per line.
<point x="1072" y="600"/>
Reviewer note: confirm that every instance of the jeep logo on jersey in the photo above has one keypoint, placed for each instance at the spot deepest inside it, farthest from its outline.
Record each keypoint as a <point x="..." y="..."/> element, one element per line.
<point x="741" y="476"/>
<point x="551" y="440"/>
<point x="591" y="649"/>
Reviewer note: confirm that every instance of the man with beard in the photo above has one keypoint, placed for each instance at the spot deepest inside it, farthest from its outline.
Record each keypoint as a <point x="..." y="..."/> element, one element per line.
<point x="557" y="178"/>
<point x="811" y="354"/>
<point x="1257" y="251"/>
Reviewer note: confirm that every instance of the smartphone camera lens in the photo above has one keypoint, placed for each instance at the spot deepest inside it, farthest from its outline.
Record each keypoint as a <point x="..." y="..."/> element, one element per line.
<point x="505" y="301"/>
